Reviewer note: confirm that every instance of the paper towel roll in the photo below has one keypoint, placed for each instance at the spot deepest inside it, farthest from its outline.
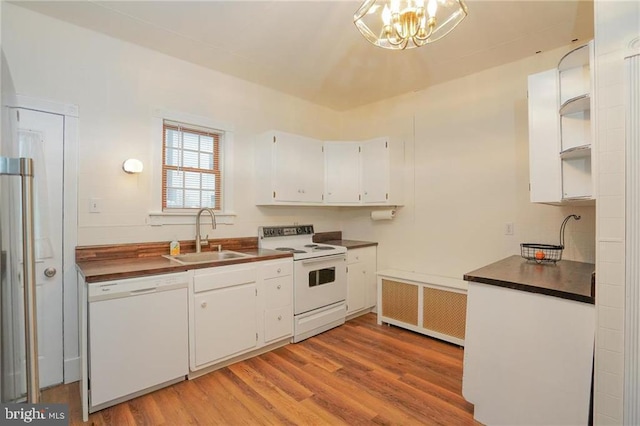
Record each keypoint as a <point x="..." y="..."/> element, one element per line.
<point x="383" y="214"/>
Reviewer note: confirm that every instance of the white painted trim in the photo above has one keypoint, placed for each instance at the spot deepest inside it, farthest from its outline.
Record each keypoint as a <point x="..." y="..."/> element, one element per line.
<point x="186" y="218"/>
<point x="70" y="224"/>
<point x="45" y="105"/>
<point x="157" y="217"/>
<point x="631" y="392"/>
<point x="434" y="281"/>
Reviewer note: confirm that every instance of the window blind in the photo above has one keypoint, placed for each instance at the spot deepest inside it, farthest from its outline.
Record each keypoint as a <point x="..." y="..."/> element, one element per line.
<point x="191" y="177"/>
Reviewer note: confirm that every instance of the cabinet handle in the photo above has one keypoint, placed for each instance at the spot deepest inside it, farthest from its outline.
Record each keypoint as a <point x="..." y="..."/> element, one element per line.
<point x="279" y="317"/>
<point x="279" y="270"/>
<point x="279" y="286"/>
<point x="203" y="305"/>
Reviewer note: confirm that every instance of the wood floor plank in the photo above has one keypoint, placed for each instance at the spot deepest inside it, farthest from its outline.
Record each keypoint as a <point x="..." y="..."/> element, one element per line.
<point x="286" y="405"/>
<point x="358" y="373"/>
<point x="285" y="382"/>
<point x="330" y="395"/>
<point x="262" y="412"/>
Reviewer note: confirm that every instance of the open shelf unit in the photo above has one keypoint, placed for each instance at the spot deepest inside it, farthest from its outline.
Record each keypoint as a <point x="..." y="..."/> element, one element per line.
<point x="575" y="84"/>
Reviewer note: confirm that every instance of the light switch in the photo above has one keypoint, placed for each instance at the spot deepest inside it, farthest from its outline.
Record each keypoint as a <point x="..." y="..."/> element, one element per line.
<point x="95" y="205"/>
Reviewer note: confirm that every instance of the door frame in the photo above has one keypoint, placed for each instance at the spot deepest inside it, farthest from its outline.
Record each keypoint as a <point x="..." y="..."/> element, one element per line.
<point x="71" y="346"/>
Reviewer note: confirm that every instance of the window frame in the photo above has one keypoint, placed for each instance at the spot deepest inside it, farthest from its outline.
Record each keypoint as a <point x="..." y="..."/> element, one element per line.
<point x="218" y="140"/>
<point x="159" y="217"/>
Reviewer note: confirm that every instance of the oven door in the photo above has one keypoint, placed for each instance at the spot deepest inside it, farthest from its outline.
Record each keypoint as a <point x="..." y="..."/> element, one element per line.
<point x="319" y="282"/>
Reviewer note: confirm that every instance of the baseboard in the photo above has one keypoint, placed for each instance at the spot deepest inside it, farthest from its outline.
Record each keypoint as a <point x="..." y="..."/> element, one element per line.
<point x="72" y="370"/>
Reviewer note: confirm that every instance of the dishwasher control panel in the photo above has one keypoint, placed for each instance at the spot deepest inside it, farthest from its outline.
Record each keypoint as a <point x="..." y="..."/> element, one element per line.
<point x="136" y="286"/>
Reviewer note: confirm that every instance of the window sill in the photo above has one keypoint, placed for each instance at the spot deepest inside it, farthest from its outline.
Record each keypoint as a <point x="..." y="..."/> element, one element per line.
<point x="187" y="218"/>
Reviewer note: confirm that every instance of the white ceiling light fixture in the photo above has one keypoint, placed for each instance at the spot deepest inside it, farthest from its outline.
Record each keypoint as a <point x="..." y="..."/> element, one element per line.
<point x="405" y="24"/>
<point x="132" y="166"/>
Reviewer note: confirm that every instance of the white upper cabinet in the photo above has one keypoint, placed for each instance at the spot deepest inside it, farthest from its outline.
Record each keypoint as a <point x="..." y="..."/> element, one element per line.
<point x="350" y="173"/>
<point x="342" y="172"/>
<point x="561" y="130"/>
<point x="289" y="169"/>
<point x="376" y="171"/>
<point x="364" y="173"/>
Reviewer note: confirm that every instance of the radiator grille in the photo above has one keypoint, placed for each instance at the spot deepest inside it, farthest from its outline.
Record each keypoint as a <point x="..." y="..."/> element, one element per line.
<point x="444" y="312"/>
<point x="400" y="301"/>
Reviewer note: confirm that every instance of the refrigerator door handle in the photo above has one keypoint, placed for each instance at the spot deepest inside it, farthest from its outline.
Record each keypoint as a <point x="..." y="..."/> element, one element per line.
<point x="23" y="167"/>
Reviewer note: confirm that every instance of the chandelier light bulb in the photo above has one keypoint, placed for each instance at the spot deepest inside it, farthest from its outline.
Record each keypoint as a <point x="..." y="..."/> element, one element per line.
<point x="432" y="8"/>
<point x="386" y="15"/>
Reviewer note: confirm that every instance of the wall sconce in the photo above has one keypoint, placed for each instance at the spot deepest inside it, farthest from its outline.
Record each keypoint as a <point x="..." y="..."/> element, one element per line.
<point x="132" y="166"/>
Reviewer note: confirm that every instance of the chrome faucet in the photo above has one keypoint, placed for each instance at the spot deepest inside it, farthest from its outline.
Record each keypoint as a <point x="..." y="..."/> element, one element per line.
<point x="199" y="241"/>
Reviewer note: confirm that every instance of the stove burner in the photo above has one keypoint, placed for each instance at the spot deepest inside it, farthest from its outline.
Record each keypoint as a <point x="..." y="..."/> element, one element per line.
<point x="311" y="245"/>
<point x="324" y="248"/>
<point x="290" y="249"/>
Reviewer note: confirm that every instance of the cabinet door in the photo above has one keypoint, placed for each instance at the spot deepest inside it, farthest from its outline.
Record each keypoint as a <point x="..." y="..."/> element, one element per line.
<point x="368" y="256"/>
<point x="375" y="170"/>
<point x="544" y="138"/>
<point x="225" y="322"/>
<point x="342" y="172"/>
<point x="298" y="168"/>
<point x="356" y="287"/>
<point x="278" y="323"/>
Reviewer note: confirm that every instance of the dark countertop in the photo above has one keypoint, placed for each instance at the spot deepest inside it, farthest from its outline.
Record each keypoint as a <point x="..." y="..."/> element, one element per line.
<point x="350" y="244"/>
<point x="565" y="279"/>
<point x="113" y="269"/>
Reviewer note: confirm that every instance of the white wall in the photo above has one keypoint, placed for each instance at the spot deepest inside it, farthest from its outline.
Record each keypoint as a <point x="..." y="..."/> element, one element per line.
<point x="468" y="175"/>
<point x="116" y="86"/>
<point x="617" y="23"/>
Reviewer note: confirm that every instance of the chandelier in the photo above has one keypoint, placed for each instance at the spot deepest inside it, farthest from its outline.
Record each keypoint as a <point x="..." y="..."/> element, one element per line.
<point x="405" y="24"/>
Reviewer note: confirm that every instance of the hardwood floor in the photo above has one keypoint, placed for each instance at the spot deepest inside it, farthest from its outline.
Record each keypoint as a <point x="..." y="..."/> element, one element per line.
<point x="359" y="373"/>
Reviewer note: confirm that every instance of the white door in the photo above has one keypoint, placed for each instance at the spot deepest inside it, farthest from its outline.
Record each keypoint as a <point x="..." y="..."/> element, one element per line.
<point x="41" y="137"/>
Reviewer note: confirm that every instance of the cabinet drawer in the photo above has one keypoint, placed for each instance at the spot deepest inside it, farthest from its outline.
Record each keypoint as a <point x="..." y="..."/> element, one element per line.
<point x="362" y="254"/>
<point x="354" y="256"/>
<point x="278" y="292"/>
<point x="278" y="323"/>
<point x="216" y="278"/>
<point x="277" y="269"/>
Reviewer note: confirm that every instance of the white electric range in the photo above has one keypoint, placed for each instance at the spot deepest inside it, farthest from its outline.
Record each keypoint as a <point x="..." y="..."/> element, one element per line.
<point x="319" y="278"/>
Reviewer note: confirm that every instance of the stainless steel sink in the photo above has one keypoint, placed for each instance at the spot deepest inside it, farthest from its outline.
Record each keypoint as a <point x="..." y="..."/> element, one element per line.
<point x="207" y="256"/>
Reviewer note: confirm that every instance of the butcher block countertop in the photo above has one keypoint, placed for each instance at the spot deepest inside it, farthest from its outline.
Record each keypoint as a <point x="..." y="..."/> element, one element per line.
<point x="566" y="279"/>
<point x="114" y="262"/>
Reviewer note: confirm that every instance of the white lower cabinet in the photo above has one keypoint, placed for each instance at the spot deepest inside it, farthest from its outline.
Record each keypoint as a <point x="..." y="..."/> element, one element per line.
<point x="277" y="281"/>
<point x="225" y="322"/>
<point x="361" y="279"/>
<point x="237" y="309"/>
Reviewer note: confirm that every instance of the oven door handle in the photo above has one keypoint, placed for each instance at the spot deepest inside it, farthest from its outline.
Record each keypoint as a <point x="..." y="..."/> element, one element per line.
<point x="324" y="259"/>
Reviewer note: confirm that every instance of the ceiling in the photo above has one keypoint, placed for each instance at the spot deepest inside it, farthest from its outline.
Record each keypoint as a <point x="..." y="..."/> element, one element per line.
<point x="312" y="50"/>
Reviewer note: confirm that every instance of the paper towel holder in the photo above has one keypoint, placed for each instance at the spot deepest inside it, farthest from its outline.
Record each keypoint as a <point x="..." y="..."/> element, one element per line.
<point x="384" y="214"/>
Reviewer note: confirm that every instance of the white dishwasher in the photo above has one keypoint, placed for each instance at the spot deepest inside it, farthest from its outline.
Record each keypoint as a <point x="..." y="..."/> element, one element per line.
<point x="138" y="336"/>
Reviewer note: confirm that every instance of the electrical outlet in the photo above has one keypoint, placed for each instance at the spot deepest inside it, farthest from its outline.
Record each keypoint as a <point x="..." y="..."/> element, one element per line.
<point x="95" y="205"/>
<point x="508" y="228"/>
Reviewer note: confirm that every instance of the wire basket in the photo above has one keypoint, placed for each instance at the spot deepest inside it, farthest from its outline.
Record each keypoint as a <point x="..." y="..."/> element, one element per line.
<point x="546" y="253"/>
<point x="541" y="252"/>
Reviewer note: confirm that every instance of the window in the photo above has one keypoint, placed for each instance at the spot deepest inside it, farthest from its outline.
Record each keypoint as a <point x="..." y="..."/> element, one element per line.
<point x="191" y="169"/>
